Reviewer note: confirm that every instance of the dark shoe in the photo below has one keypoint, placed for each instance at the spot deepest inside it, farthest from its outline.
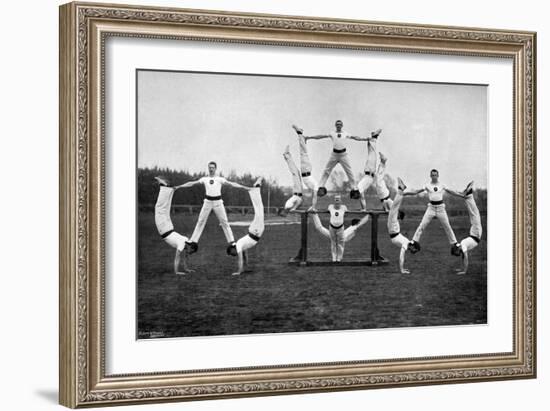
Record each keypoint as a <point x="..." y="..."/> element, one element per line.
<point x="469" y="189"/>
<point x="413" y="247"/>
<point x="191" y="247"/>
<point x="400" y="184"/>
<point x="354" y="195"/>
<point x="456" y="250"/>
<point x="232" y="249"/>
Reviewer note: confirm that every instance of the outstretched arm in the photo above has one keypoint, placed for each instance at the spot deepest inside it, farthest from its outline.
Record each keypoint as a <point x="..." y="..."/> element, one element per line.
<point x="454" y="193"/>
<point x="317" y="137"/>
<point x="237" y="185"/>
<point x="358" y="138"/>
<point x="317" y="222"/>
<point x="465" y="262"/>
<point x="188" y="184"/>
<point x="177" y="260"/>
<point x="240" y="270"/>
<point x="363" y="221"/>
<point x="414" y="192"/>
<point x="373" y="134"/>
<point x="402" y="261"/>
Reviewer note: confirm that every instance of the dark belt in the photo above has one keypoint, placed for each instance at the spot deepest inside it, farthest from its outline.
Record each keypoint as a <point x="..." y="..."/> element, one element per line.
<point x="166" y="234"/>
<point x="394" y="235"/>
<point x="436" y="202"/>
<point x="298" y="194"/>
<point x="369" y="173"/>
<point x="385" y="198"/>
<point x="213" y="198"/>
<point x="307" y="174"/>
<point x="477" y="240"/>
<point x="336" y="227"/>
<point x="335" y="150"/>
<point x="253" y="236"/>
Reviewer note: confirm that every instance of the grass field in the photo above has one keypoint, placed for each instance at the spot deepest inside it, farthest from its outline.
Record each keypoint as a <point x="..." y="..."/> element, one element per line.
<point x="276" y="297"/>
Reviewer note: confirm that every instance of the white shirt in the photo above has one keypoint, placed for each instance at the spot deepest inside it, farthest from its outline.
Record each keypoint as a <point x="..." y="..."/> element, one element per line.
<point x="435" y="191"/>
<point x="337" y="215"/>
<point x="213" y="185"/>
<point x="176" y="240"/>
<point x="338" y="139"/>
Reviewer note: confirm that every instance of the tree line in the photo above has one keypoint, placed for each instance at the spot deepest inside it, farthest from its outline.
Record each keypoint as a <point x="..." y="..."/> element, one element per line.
<point x="148" y="189"/>
<point x="271" y="190"/>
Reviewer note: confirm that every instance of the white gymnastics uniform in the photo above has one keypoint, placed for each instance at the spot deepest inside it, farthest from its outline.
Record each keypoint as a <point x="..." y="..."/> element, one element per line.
<point x="436" y="208"/>
<point x="163" y="220"/>
<point x="336" y="231"/>
<point x="349" y="234"/>
<point x="476" y="230"/>
<point x="370" y="166"/>
<point x="394" y="229"/>
<point x="305" y="166"/>
<point x="381" y="187"/>
<point x="296" y="200"/>
<point x="256" y="228"/>
<point x="213" y="201"/>
<point x="338" y="155"/>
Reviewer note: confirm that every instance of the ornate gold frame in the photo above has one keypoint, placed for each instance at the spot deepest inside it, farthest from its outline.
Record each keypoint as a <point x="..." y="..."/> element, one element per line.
<point x="83" y="30"/>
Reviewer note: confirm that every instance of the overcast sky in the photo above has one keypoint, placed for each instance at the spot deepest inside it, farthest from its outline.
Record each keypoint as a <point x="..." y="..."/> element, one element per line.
<point x="243" y="123"/>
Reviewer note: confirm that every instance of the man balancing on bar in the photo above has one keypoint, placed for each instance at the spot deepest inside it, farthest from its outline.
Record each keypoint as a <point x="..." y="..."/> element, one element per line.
<point x="336" y="233"/>
<point x="338" y="156"/>
<point x="213" y="201"/>
<point x="255" y="230"/>
<point x="165" y="226"/>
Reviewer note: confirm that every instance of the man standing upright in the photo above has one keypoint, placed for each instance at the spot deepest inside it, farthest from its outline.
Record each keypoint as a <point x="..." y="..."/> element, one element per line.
<point x="337" y="249"/>
<point x="336" y="228"/>
<point x="338" y="156"/>
<point x="436" y="208"/>
<point x="213" y="201"/>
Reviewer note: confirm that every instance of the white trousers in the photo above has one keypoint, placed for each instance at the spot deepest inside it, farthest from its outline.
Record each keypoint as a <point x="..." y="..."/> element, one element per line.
<point x="343" y="160"/>
<point x="310" y="183"/>
<point x="296" y="175"/>
<point x="258" y="223"/>
<point x="475" y="225"/>
<point x="441" y="214"/>
<point x="393" y="221"/>
<point x="365" y="183"/>
<point x="293" y="202"/>
<point x="475" y="219"/>
<point x="162" y="210"/>
<point x="219" y="210"/>
<point x="337" y="243"/>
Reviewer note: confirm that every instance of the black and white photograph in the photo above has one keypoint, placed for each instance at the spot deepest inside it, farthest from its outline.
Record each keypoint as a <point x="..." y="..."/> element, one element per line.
<point x="281" y="204"/>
